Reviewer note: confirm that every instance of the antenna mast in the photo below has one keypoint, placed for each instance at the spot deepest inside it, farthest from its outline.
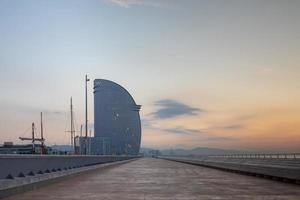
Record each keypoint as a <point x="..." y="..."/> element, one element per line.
<point x="33" y="140"/>
<point x="72" y="127"/>
<point x="90" y="131"/>
<point x="42" y="136"/>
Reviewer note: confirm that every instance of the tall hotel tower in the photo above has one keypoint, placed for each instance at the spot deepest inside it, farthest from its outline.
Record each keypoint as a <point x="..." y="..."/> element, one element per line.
<point x="117" y="120"/>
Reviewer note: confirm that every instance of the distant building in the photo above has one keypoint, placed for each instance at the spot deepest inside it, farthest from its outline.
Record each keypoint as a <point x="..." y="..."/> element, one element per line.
<point x="117" y="124"/>
<point x="80" y="145"/>
<point x="10" y="148"/>
<point x="117" y="120"/>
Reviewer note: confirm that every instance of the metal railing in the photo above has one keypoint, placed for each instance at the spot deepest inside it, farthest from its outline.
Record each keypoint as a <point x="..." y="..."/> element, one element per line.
<point x="260" y="156"/>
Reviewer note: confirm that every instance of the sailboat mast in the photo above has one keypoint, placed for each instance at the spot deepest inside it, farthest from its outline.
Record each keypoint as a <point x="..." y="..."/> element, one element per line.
<point x="42" y="135"/>
<point x="90" y="141"/>
<point x="33" y="139"/>
<point x="72" y="125"/>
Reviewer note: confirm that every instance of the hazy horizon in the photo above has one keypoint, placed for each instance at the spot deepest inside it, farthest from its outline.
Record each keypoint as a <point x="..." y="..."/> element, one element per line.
<point x="208" y="73"/>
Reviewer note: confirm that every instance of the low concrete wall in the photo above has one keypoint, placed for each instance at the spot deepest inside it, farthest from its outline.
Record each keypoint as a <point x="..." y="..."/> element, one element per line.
<point x="288" y="170"/>
<point x="9" y="187"/>
<point x="12" y="166"/>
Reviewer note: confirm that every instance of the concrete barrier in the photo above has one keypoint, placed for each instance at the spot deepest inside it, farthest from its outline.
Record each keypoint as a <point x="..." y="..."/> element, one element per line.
<point x="288" y="170"/>
<point x="9" y="187"/>
<point x="12" y="166"/>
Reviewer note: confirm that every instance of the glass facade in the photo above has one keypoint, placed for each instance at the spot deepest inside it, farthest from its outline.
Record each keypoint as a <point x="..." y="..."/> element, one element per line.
<point x="117" y="121"/>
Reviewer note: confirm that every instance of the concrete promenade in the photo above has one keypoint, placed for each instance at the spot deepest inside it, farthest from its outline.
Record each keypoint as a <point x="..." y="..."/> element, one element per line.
<point x="149" y="178"/>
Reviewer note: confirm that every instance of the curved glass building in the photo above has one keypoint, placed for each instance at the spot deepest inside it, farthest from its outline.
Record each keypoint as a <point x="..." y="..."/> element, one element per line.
<point x="117" y="120"/>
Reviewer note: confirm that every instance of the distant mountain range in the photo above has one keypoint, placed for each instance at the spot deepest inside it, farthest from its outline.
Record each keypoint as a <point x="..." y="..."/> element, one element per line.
<point x="196" y="151"/>
<point x="199" y="151"/>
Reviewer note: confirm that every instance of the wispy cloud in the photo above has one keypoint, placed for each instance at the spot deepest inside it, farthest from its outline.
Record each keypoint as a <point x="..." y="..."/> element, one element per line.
<point x="147" y="123"/>
<point x="171" y="108"/>
<point x="246" y="117"/>
<point x="130" y="3"/>
<point x="233" y="126"/>
<point x="218" y="138"/>
<point x="54" y="112"/>
<point x="235" y="123"/>
<point x="150" y="124"/>
<point x="182" y="130"/>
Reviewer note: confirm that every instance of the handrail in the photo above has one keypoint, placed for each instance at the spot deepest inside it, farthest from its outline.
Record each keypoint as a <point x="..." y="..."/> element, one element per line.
<point x="259" y="156"/>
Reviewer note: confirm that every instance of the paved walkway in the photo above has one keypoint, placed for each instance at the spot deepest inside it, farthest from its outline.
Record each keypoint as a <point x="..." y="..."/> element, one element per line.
<point x="149" y="178"/>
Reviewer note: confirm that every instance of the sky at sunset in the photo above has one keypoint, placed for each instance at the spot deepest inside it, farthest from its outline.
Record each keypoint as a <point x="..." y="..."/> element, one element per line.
<point x="208" y="73"/>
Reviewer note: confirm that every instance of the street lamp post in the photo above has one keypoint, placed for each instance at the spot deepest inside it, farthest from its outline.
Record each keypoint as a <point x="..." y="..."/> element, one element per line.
<point x="86" y="116"/>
